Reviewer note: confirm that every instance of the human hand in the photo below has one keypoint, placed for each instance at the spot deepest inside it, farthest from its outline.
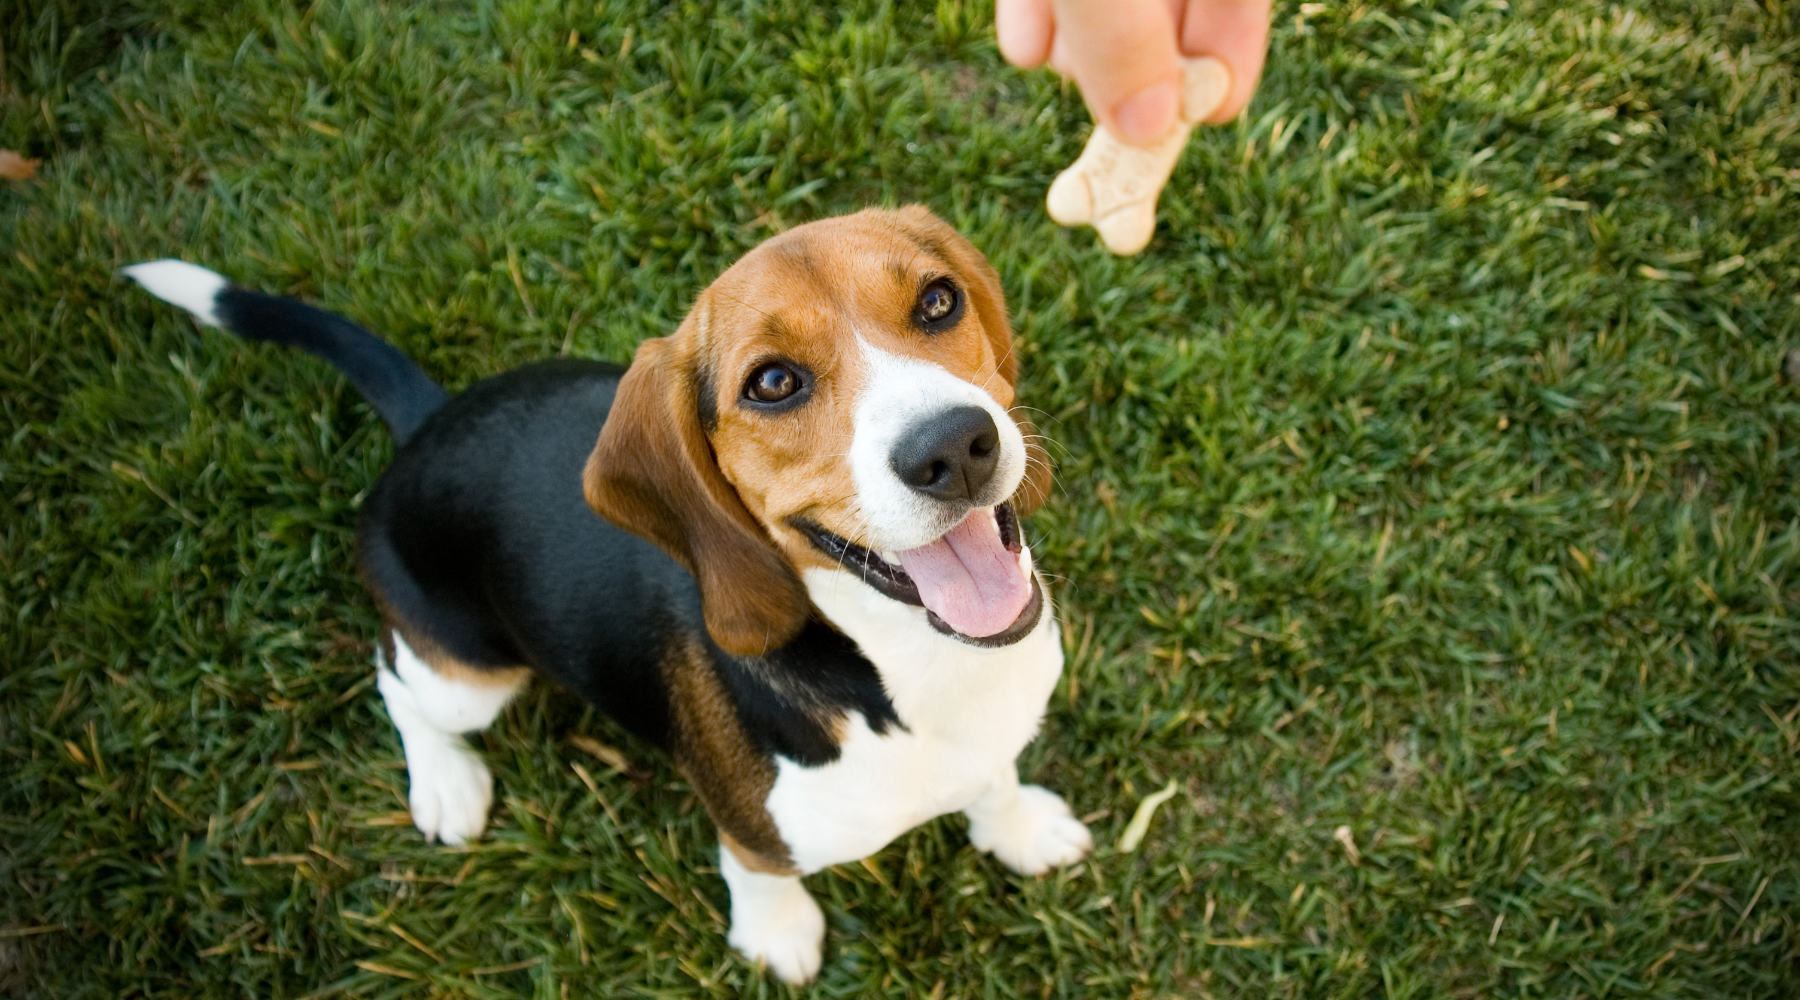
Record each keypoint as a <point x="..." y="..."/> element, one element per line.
<point x="1126" y="55"/>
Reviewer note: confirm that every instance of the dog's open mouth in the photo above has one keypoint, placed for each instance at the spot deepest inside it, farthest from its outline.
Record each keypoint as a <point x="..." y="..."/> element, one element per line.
<point x="970" y="581"/>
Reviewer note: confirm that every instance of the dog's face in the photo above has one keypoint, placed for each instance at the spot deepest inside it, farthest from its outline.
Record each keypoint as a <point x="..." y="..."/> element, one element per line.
<point x="840" y="397"/>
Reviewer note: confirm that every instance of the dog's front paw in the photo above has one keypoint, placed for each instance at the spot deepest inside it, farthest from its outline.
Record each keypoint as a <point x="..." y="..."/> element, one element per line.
<point x="1035" y="834"/>
<point x="450" y="791"/>
<point x="784" y="933"/>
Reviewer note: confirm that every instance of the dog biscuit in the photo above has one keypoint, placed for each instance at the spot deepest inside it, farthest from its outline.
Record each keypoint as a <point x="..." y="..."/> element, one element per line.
<point x="1113" y="186"/>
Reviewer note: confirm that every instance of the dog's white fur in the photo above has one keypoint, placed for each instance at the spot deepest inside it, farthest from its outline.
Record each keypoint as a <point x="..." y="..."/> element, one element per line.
<point x="179" y="283"/>
<point x="774" y="920"/>
<point x="448" y="787"/>
<point x="967" y="714"/>
<point x="897" y="394"/>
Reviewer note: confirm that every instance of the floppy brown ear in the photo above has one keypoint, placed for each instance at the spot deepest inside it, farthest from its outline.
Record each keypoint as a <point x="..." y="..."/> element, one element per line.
<point x="990" y="308"/>
<point x="653" y="473"/>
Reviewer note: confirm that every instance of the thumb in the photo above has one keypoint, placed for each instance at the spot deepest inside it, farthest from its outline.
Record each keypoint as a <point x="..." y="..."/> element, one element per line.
<point x="1123" y="55"/>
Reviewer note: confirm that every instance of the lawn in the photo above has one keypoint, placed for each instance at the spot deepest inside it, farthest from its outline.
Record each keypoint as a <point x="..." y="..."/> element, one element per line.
<point x="1430" y="478"/>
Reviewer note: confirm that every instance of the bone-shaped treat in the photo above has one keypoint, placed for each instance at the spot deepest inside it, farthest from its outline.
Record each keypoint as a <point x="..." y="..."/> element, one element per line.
<point x="1113" y="186"/>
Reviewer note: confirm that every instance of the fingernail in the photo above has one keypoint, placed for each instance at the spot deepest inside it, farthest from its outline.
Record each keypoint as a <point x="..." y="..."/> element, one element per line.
<point x="1145" y="116"/>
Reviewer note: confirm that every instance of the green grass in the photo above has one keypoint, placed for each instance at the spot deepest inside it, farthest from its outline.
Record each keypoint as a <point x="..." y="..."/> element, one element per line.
<point x="1431" y="475"/>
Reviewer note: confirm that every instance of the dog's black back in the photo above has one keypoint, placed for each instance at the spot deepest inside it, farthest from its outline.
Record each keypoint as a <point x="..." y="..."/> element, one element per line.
<point x="478" y="535"/>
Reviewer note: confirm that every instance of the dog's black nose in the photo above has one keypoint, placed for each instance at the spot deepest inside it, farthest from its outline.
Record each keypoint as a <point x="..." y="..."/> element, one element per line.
<point x="950" y="455"/>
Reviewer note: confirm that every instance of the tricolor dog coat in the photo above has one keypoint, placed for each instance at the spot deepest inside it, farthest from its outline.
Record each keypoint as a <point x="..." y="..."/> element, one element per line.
<point x="785" y="545"/>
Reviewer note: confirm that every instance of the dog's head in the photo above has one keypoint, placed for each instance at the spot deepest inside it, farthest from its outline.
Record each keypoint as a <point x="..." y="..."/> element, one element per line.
<point x="839" y="398"/>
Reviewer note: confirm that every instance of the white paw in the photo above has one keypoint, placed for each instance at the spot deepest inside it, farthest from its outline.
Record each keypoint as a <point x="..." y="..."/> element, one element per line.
<point x="450" y="791"/>
<point x="786" y="934"/>
<point x="1037" y="834"/>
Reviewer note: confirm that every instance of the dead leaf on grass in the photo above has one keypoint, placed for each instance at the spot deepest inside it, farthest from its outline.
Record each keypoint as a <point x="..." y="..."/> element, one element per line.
<point x="1140" y="820"/>
<point x="14" y="167"/>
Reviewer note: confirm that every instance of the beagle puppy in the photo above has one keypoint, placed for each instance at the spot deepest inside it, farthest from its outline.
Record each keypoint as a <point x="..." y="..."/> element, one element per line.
<point x="785" y="545"/>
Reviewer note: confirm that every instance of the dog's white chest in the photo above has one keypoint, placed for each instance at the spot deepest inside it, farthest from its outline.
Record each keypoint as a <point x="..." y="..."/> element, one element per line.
<point x="966" y="713"/>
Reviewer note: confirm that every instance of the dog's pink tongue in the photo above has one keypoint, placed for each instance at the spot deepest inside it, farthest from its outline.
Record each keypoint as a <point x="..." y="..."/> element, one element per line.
<point x="969" y="579"/>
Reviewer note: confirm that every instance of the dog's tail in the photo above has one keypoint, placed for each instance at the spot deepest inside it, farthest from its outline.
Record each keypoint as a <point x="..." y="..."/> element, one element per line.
<point x="398" y="389"/>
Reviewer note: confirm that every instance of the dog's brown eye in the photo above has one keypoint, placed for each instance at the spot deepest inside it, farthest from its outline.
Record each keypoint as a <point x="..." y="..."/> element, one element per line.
<point x="939" y="306"/>
<point x="772" y="383"/>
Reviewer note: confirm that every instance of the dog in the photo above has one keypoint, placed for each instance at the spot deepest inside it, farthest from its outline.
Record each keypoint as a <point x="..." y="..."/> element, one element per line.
<point x="785" y="545"/>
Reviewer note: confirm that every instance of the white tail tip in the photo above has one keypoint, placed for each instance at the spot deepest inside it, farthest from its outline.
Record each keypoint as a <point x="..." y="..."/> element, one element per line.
<point x="177" y="282"/>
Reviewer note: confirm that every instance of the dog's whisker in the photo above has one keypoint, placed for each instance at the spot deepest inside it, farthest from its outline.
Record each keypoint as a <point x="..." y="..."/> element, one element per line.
<point x="999" y="363"/>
